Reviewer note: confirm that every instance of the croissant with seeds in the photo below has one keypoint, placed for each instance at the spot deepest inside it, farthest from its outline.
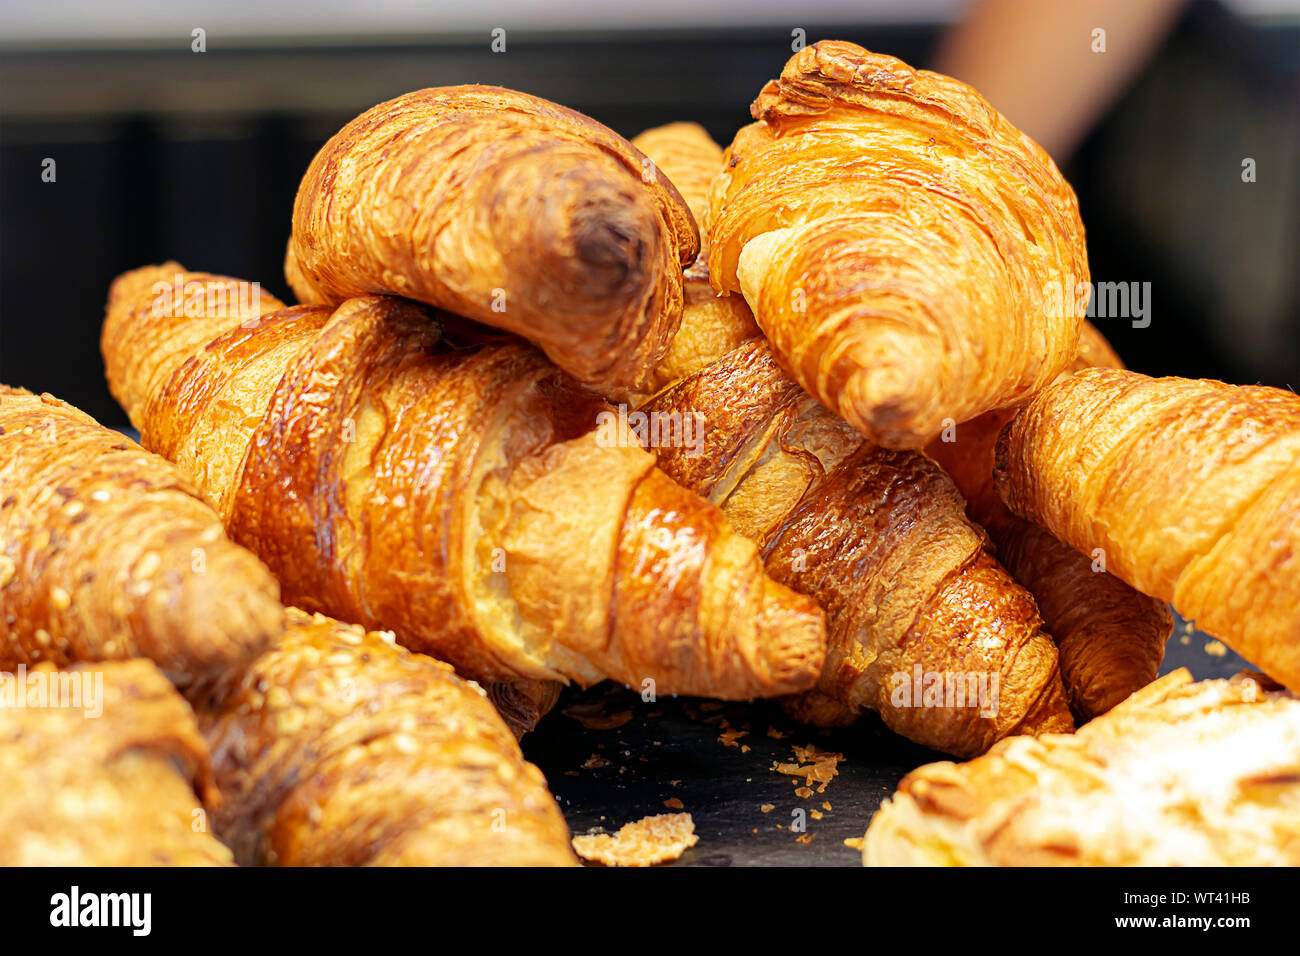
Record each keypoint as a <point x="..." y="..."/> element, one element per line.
<point x="107" y="769"/>
<point x="337" y="748"/>
<point x="109" y="552"/>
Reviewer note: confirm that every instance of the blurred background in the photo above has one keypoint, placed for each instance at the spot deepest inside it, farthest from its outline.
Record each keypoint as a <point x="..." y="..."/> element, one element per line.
<point x="179" y="130"/>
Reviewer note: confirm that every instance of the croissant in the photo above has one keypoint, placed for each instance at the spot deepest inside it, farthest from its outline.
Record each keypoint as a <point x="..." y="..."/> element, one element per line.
<point x="879" y="538"/>
<point x="899" y="242"/>
<point x="1179" y="774"/>
<point x="104" y="767"/>
<point x="107" y="552"/>
<point x="1110" y="637"/>
<point x="522" y="703"/>
<point x="466" y="500"/>
<point x="1188" y="489"/>
<point x="337" y="748"/>
<point x="711" y="325"/>
<point x="506" y="209"/>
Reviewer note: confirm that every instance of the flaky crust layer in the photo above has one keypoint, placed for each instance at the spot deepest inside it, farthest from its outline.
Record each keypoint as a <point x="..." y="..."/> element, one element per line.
<point x="1189" y="488"/>
<point x="507" y="209"/>
<point x="121" y="787"/>
<point x="897" y="239"/>
<point x="711" y="325"/>
<point x="447" y="494"/>
<point x="337" y="748"/>
<point x="1179" y="774"/>
<point x="880" y="540"/>
<point x="108" y="552"/>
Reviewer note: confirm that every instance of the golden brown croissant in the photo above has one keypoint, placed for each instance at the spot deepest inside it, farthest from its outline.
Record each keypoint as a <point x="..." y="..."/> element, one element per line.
<point x="711" y="325"/>
<point x="466" y="500"/>
<point x="337" y="748"/>
<point x="1111" y="638"/>
<point x="880" y="539"/>
<point x="107" y="551"/>
<point x="1189" y="489"/>
<point x="522" y="703"/>
<point x="107" y="768"/>
<point x="507" y="209"/>
<point x="898" y="241"/>
<point x="1180" y="774"/>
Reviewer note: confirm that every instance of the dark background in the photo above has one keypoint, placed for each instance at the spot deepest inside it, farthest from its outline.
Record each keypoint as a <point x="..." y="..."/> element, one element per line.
<point x="163" y="153"/>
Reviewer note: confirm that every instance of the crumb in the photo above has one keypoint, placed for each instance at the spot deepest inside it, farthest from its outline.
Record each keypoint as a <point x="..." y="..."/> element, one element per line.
<point x="571" y="773"/>
<point x="645" y="842"/>
<point x="803" y="792"/>
<point x="826" y="805"/>
<point x="816" y="814"/>
<point x="673" y="803"/>
<point x="776" y="734"/>
<point x="730" y="735"/>
<point x="1185" y="639"/>
<point x="815" y="766"/>
<point x="768" y="807"/>
<point x="805" y="839"/>
<point x="595" y="762"/>
<point x="853" y="843"/>
<point x="744" y="748"/>
<point x="1215" y="648"/>
<point x="673" y="783"/>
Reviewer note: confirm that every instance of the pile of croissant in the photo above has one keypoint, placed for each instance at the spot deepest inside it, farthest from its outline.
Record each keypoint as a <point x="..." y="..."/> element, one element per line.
<point x="796" y="420"/>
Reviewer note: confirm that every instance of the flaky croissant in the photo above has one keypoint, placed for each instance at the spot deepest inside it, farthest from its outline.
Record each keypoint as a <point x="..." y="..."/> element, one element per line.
<point x="898" y="241"/>
<point x="464" y="499"/>
<point x="879" y="538"/>
<point x="337" y="748"/>
<point x="509" y="210"/>
<point x="1188" y="489"/>
<point x="1111" y="638"/>
<point x="108" y="552"/>
<point x="711" y="325"/>
<point x="106" y="768"/>
<point x="1180" y="774"/>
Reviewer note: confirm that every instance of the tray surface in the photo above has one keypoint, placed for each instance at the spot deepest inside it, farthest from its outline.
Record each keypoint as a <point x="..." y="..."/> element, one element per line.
<point x="694" y="751"/>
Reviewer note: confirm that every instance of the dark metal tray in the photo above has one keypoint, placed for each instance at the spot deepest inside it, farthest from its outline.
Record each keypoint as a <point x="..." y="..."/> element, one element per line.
<point x="673" y="748"/>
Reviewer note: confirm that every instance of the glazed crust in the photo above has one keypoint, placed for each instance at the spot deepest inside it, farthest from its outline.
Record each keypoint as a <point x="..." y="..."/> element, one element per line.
<point x="447" y="495"/>
<point x="1111" y="638"/>
<point x="711" y="325"/>
<point x="1190" y="488"/>
<point x="507" y="209"/>
<point x="337" y="748"/>
<point x="1179" y="774"/>
<point x="896" y="239"/>
<point x="108" y="552"/>
<point x="879" y="538"/>
<point x="120" y="788"/>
